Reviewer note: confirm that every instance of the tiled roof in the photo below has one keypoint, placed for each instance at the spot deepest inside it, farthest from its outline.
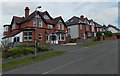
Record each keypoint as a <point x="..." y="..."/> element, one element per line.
<point x="18" y="31"/>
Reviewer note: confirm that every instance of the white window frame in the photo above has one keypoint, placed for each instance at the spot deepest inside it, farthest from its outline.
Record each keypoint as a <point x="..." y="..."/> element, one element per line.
<point x="80" y="26"/>
<point x="40" y="23"/>
<point x="62" y="27"/>
<point x="60" y="37"/>
<point x="28" y="36"/>
<point x="92" y="28"/>
<point x="59" y="26"/>
<point x="87" y="28"/>
<point x="46" y="17"/>
<point x="50" y="26"/>
<point x="34" y="22"/>
<point x="40" y="36"/>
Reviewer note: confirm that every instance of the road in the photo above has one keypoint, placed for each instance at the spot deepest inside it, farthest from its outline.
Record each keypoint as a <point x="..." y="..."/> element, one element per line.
<point x="98" y="59"/>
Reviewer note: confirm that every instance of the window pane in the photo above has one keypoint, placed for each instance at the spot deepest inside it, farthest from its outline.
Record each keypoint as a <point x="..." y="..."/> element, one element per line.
<point x="25" y="33"/>
<point x="30" y="33"/>
<point x="34" y="23"/>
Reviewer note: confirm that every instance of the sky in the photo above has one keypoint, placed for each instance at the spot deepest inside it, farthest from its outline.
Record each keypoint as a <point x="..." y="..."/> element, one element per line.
<point x="101" y="11"/>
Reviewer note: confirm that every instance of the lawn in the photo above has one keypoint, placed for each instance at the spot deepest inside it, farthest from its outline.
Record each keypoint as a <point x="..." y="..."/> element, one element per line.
<point x="95" y="43"/>
<point x="30" y="59"/>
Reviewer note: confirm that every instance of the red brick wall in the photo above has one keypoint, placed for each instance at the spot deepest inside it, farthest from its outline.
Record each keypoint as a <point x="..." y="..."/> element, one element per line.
<point x="108" y="38"/>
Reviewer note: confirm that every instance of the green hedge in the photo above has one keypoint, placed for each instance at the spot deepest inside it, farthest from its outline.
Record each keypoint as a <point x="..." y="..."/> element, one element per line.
<point x="43" y="48"/>
<point x="23" y="49"/>
<point x="18" y="51"/>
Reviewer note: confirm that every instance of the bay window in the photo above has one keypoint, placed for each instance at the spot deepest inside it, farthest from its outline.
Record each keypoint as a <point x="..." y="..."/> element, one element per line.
<point x="27" y="36"/>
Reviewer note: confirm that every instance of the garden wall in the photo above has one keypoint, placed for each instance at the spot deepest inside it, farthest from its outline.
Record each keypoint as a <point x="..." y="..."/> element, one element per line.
<point x="84" y="41"/>
<point x="108" y="38"/>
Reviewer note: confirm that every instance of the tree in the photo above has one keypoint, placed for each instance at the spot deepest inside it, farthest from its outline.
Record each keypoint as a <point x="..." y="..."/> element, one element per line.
<point x="108" y="33"/>
<point x="98" y="34"/>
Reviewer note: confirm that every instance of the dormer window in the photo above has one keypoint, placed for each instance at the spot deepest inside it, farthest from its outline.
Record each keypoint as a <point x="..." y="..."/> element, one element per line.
<point x="40" y="23"/>
<point x="6" y="28"/>
<point x="46" y="17"/>
<point x="13" y="26"/>
<point x="34" y="22"/>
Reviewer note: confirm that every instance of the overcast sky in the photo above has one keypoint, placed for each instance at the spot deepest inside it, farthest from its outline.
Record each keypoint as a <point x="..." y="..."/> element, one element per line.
<point x="103" y="12"/>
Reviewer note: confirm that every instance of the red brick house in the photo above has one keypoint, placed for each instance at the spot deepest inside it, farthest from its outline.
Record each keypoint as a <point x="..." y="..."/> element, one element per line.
<point x="81" y="27"/>
<point x="38" y="26"/>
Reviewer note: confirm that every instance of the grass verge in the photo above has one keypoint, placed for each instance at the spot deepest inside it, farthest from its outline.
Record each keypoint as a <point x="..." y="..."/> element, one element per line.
<point x="30" y="59"/>
<point x="95" y="43"/>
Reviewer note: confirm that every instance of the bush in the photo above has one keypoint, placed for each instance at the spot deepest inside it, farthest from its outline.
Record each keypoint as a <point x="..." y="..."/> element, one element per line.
<point x="94" y="38"/>
<point x="108" y="33"/>
<point x="118" y="36"/>
<point x="18" y="51"/>
<point x="99" y="34"/>
<point x="73" y="40"/>
<point x="43" y="48"/>
<point x="26" y="45"/>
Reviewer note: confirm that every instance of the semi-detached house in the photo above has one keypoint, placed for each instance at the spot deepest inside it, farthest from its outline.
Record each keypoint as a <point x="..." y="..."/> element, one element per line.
<point x="38" y="26"/>
<point x="82" y="27"/>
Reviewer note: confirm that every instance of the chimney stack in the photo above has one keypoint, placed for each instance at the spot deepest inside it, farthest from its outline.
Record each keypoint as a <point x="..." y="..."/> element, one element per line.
<point x="27" y="11"/>
<point x="81" y="16"/>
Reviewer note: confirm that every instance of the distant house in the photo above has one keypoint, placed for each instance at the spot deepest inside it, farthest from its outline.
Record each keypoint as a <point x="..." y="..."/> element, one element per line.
<point x="113" y="29"/>
<point x="38" y="26"/>
<point x="82" y="27"/>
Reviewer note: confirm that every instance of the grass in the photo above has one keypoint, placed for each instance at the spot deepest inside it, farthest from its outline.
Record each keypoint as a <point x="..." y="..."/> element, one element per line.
<point x="95" y="43"/>
<point x="30" y="59"/>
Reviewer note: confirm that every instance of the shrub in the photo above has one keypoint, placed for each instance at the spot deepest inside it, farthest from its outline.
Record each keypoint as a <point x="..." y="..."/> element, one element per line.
<point x="99" y="34"/>
<point x="118" y="36"/>
<point x="94" y="38"/>
<point x="43" y="48"/>
<point x="18" y="51"/>
<point x="73" y="40"/>
<point x="26" y="45"/>
<point x="108" y="33"/>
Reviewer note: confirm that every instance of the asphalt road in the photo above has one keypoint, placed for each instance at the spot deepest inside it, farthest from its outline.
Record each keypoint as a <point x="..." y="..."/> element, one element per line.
<point x="98" y="59"/>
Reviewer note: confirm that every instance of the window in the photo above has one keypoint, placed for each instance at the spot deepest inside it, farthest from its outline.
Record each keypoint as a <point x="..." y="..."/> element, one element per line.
<point x="59" y="37"/>
<point x="40" y="23"/>
<point x="92" y="28"/>
<point x="6" y="28"/>
<point x="28" y="36"/>
<point x="34" y="22"/>
<point x="87" y="28"/>
<point x="62" y="27"/>
<point x="68" y="30"/>
<point x="50" y="26"/>
<point x="62" y="37"/>
<point x="58" y="26"/>
<point x="46" y="17"/>
<point x="13" y="26"/>
<point x="47" y="37"/>
<point x="40" y="36"/>
<point x="16" y="39"/>
<point x="80" y="26"/>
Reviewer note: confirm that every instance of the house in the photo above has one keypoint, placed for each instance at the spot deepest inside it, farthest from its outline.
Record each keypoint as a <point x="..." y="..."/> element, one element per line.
<point x="39" y="26"/>
<point x="113" y="29"/>
<point x="82" y="27"/>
